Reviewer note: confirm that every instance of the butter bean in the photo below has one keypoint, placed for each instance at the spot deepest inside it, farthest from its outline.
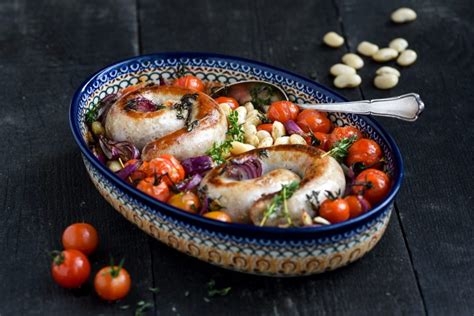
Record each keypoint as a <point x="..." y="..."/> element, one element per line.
<point x="225" y="108"/>
<point x="249" y="106"/>
<point x="385" y="54"/>
<point x="407" y="58"/>
<point x="398" y="44"/>
<point x="282" y="140"/>
<point x="238" y="148"/>
<point x="252" y="140"/>
<point x="278" y="130"/>
<point x="385" y="81"/>
<point x="266" y="142"/>
<point x="242" y="113"/>
<point x="297" y="139"/>
<point x="403" y="15"/>
<point x="333" y="39"/>
<point x="347" y="81"/>
<point x="387" y="70"/>
<point x="249" y="129"/>
<point x="353" y="60"/>
<point x="263" y="134"/>
<point x="367" y="48"/>
<point x="339" y="69"/>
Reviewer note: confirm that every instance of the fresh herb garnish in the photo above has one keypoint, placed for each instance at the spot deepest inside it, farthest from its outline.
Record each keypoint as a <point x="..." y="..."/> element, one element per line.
<point x="212" y="291"/>
<point x="142" y="306"/>
<point x="235" y="131"/>
<point x="279" y="200"/>
<point x="91" y="115"/>
<point x="340" y="148"/>
<point x="191" y="125"/>
<point x="218" y="152"/>
<point x="313" y="200"/>
<point x="261" y="95"/>
<point x="154" y="289"/>
<point x="184" y="105"/>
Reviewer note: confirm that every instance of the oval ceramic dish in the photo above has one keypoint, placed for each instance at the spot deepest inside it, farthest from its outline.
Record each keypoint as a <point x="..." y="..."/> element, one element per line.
<point x="245" y="248"/>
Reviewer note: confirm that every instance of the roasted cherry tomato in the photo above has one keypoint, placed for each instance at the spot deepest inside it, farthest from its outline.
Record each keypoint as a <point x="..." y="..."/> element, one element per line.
<point x="70" y="268"/>
<point x="320" y="142"/>
<point x="82" y="237"/>
<point x="335" y="210"/>
<point x="189" y="82"/>
<point x="265" y="127"/>
<point x="168" y="166"/>
<point x="155" y="188"/>
<point x="372" y="184"/>
<point x="187" y="201"/>
<point x="357" y="205"/>
<point x="233" y="104"/>
<point x="364" y="151"/>
<point x="112" y="283"/>
<point x="219" y="216"/>
<point x="283" y="111"/>
<point x="343" y="132"/>
<point x="313" y="121"/>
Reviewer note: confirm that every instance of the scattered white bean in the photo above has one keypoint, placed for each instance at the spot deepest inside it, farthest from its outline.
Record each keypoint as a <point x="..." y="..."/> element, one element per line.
<point x="242" y="113"/>
<point x="238" y="148"/>
<point x="278" y="130"/>
<point x="249" y="106"/>
<point x="385" y="81"/>
<point x="282" y="140"/>
<point x="321" y="220"/>
<point x="403" y="15"/>
<point x="339" y="69"/>
<point x="333" y="39"/>
<point x="367" y="48"/>
<point x="249" y="129"/>
<point x="387" y="70"/>
<point x="347" y="81"/>
<point x="385" y="54"/>
<point x="225" y="108"/>
<point x="266" y="142"/>
<point x="297" y="140"/>
<point x="398" y="44"/>
<point x="407" y="57"/>
<point x="353" y="60"/>
<point x="263" y="134"/>
<point x="253" y="119"/>
<point x="252" y="140"/>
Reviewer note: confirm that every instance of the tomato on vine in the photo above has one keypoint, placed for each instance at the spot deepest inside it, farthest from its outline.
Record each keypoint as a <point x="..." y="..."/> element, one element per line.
<point x="112" y="282"/>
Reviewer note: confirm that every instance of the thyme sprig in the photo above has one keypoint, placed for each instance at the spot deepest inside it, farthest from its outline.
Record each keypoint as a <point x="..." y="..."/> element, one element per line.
<point x="212" y="291"/>
<point x="340" y="148"/>
<point x="279" y="200"/>
<point x="218" y="152"/>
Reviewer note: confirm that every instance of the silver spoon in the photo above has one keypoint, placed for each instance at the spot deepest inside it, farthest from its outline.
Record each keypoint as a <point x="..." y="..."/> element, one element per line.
<point x="407" y="107"/>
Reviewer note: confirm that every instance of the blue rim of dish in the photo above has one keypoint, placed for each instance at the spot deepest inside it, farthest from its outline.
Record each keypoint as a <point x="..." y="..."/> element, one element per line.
<point x="240" y="229"/>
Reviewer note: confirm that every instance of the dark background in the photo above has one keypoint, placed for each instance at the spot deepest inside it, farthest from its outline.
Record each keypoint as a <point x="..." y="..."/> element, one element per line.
<point x="423" y="264"/>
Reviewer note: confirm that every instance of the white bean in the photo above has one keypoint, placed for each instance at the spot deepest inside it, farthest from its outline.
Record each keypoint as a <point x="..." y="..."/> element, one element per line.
<point x="252" y="140"/>
<point x="249" y="106"/>
<point x="242" y="113"/>
<point x="407" y="57"/>
<point x="253" y="119"/>
<point x="225" y="108"/>
<point x="278" y="130"/>
<point x="387" y="70"/>
<point x="367" y="48"/>
<point x="339" y="69"/>
<point x="347" y="81"/>
<point x="385" y="54"/>
<point x="297" y="139"/>
<point x="321" y="220"/>
<point x="282" y="140"/>
<point x="353" y="60"/>
<point x="403" y="15"/>
<point x="398" y="44"/>
<point x="238" y="148"/>
<point x="333" y="39"/>
<point x="385" y="81"/>
<point x="263" y="134"/>
<point x="249" y="129"/>
<point x="266" y="142"/>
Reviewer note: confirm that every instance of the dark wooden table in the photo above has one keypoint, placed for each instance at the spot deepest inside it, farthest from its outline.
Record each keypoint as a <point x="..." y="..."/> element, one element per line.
<point x="424" y="263"/>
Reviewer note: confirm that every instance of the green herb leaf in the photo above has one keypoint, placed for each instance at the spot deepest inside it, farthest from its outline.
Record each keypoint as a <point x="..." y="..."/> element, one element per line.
<point x="154" y="289"/>
<point x="212" y="291"/>
<point x="218" y="152"/>
<point x="279" y="200"/>
<point x="340" y="148"/>
<point x="142" y="306"/>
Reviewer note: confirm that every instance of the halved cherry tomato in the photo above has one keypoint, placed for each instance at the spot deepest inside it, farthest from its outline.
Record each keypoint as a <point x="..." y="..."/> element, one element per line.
<point x="233" y="104"/>
<point x="112" y="283"/>
<point x="343" y="132"/>
<point x="283" y="111"/>
<point x="70" y="268"/>
<point x="364" y="151"/>
<point x="335" y="211"/>
<point x="265" y="127"/>
<point x="219" y="216"/>
<point x="356" y="207"/>
<point x="187" y="201"/>
<point x="313" y="121"/>
<point x="321" y="137"/>
<point x="189" y="82"/>
<point x="159" y="191"/>
<point x="374" y="185"/>
<point x="82" y="237"/>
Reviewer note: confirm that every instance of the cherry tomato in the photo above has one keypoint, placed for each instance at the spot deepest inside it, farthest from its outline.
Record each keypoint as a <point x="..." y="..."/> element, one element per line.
<point x="159" y="191"/>
<point x="229" y="101"/>
<point x="187" y="201"/>
<point x="356" y="206"/>
<point x="313" y="121"/>
<point x="343" y="132"/>
<point x="365" y="151"/>
<point x="82" y="237"/>
<point x="322" y="138"/>
<point x="112" y="283"/>
<point x="283" y="111"/>
<point x="70" y="268"/>
<point x="335" y="211"/>
<point x="265" y="127"/>
<point x="374" y="185"/>
<point x="168" y="166"/>
<point x="189" y="82"/>
<point x="219" y="216"/>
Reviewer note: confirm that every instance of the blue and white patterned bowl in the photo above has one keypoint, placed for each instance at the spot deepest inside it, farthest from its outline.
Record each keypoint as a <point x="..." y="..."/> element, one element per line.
<point x="245" y="248"/>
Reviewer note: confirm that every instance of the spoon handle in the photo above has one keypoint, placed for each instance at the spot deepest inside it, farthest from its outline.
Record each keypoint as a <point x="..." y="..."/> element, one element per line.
<point x="407" y="107"/>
